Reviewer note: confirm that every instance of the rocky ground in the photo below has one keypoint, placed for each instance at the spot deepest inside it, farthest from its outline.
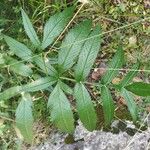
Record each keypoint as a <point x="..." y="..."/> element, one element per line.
<point x="99" y="140"/>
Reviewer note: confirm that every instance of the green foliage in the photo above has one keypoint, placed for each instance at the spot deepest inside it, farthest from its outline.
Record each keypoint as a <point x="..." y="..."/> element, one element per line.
<point x="11" y="92"/>
<point x="75" y="59"/>
<point x="129" y="77"/>
<point x="18" y="48"/>
<point x="18" y="67"/>
<point x="108" y="105"/>
<point x="139" y="88"/>
<point x="130" y="103"/>
<point x="88" y="55"/>
<point x="29" y="29"/>
<point x="45" y="65"/>
<point x="55" y="25"/>
<point x="24" y="118"/>
<point x="61" y="113"/>
<point x="85" y="107"/>
<point x="72" y="45"/>
<point x="114" y="66"/>
<point x="39" y="84"/>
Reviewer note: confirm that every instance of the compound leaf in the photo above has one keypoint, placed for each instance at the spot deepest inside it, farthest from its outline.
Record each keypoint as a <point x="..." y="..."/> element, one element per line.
<point x="130" y="103"/>
<point x="108" y="105"/>
<point x="139" y="88"/>
<point x="29" y="29"/>
<point x="88" y="55"/>
<point x="24" y="118"/>
<point x="61" y="113"/>
<point x="115" y="64"/>
<point x="55" y="25"/>
<point x="85" y="107"/>
<point x="18" y="48"/>
<point x="73" y="44"/>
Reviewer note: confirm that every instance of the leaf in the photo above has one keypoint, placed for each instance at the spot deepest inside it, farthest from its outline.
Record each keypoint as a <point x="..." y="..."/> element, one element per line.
<point x="73" y="44"/>
<point x="18" y="67"/>
<point x="18" y="48"/>
<point x="130" y="103"/>
<point x="29" y="29"/>
<point x="85" y="107"/>
<point x="39" y="84"/>
<point x="55" y="25"/>
<point x="11" y="92"/>
<point x="108" y="105"/>
<point x="139" y="88"/>
<point x="45" y="65"/>
<point x="24" y="118"/>
<point x="129" y="77"/>
<point x="65" y="88"/>
<point x="115" y="64"/>
<point x="61" y="113"/>
<point x="88" y="55"/>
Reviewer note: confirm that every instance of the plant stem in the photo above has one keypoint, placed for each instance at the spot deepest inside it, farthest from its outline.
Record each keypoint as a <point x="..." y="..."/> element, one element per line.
<point x="73" y="80"/>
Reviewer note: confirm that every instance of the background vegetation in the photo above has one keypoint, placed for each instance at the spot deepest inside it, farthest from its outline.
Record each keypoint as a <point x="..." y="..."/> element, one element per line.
<point x="115" y="16"/>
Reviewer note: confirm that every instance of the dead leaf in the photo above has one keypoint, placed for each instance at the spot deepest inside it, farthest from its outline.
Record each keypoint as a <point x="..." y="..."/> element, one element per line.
<point x="116" y="80"/>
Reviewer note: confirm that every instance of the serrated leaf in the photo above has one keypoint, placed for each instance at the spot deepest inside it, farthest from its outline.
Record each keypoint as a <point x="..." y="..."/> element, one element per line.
<point x="18" y="67"/>
<point x="115" y="64"/>
<point x="45" y="65"/>
<point x="61" y="113"/>
<point x="130" y="103"/>
<point x="18" y="48"/>
<point x="55" y="25"/>
<point x="67" y="89"/>
<point x="11" y="92"/>
<point x="139" y="88"/>
<point x="108" y="105"/>
<point x="29" y="29"/>
<point x="73" y="44"/>
<point x="24" y="118"/>
<point x="88" y="55"/>
<point x="85" y="107"/>
<point x="129" y="77"/>
<point x="39" y="84"/>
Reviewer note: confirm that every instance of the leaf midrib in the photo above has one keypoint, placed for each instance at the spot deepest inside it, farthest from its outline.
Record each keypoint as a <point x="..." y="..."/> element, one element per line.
<point x="89" y="120"/>
<point x="32" y="32"/>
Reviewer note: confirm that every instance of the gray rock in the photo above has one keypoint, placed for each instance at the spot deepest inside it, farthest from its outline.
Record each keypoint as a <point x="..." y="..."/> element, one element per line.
<point x="98" y="140"/>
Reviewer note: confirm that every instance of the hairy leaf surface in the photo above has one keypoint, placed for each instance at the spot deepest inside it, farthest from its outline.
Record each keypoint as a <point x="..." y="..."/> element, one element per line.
<point x="108" y="105"/>
<point x="39" y="84"/>
<point x="10" y="92"/>
<point x="73" y="44"/>
<point x="88" y="55"/>
<point x="18" y="48"/>
<point x="130" y="103"/>
<point x="61" y="113"/>
<point x="29" y="29"/>
<point x="45" y="65"/>
<point x="139" y="88"/>
<point x="18" y="67"/>
<point x="24" y="118"/>
<point x="85" y="107"/>
<point x="55" y="25"/>
<point x="115" y="64"/>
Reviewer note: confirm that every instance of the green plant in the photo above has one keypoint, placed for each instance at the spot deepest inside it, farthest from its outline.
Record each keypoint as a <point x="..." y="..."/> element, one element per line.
<point x="77" y="54"/>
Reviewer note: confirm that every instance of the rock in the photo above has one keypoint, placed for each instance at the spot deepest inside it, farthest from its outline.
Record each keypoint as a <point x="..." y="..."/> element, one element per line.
<point x="98" y="140"/>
